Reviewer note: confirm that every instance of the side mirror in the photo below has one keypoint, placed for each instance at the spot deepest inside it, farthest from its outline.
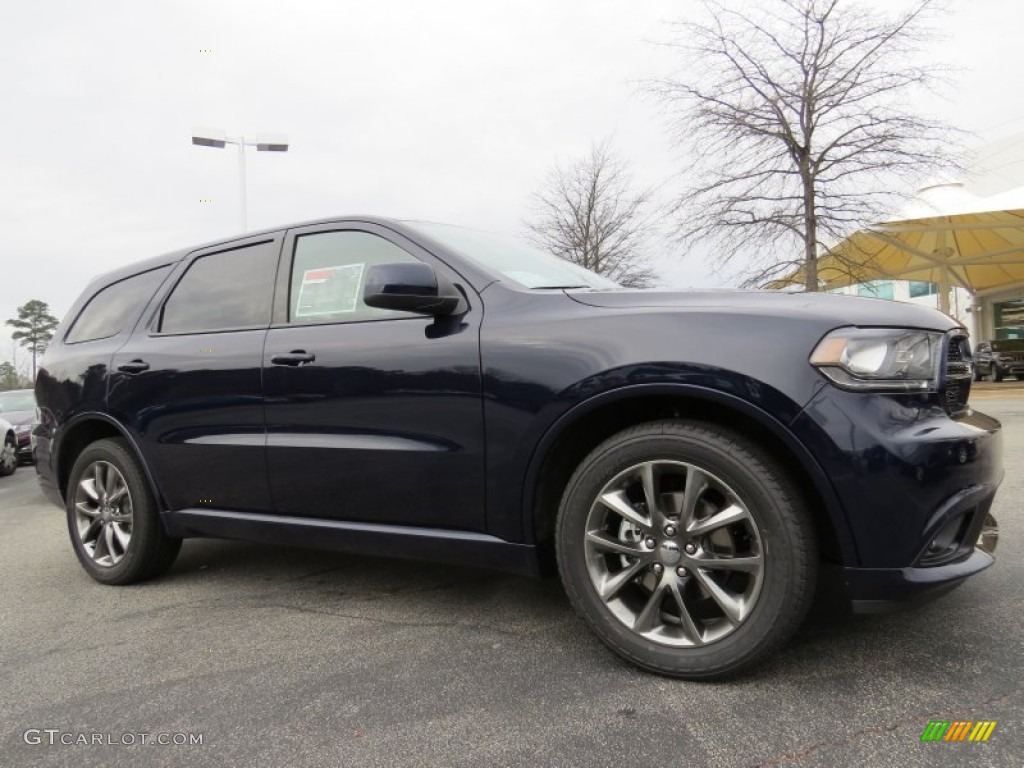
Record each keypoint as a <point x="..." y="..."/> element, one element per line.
<point x="410" y="287"/>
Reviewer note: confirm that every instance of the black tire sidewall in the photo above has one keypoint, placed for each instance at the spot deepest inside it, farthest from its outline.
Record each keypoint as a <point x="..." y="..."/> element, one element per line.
<point x="774" y="508"/>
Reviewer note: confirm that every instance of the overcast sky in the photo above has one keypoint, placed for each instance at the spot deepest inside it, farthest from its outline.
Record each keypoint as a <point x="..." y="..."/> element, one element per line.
<point x="451" y="110"/>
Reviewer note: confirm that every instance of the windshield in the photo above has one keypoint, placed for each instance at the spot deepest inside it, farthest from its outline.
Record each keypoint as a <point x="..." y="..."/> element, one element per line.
<point x="1008" y="345"/>
<point x="512" y="259"/>
<point x="17" y="400"/>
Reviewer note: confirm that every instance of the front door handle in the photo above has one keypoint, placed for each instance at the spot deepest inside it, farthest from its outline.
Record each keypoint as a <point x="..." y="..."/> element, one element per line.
<point x="295" y="357"/>
<point x="135" y="366"/>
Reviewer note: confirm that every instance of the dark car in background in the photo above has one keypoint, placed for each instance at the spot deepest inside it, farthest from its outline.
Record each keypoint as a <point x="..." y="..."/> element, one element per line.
<point x="999" y="359"/>
<point x="691" y="464"/>
<point x="18" y="406"/>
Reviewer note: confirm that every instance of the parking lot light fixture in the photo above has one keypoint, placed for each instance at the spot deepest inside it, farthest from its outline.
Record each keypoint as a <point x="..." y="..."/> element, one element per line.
<point x="218" y="139"/>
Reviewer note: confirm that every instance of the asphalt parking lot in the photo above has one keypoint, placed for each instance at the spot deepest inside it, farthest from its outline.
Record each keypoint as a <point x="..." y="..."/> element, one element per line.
<point x="286" y="657"/>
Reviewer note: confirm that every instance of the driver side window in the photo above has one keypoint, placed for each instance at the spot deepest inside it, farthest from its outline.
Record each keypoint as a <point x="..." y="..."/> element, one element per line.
<point x="328" y="273"/>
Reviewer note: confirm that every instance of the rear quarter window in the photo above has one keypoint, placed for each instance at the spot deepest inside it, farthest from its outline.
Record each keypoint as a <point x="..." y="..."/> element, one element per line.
<point x="114" y="308"/>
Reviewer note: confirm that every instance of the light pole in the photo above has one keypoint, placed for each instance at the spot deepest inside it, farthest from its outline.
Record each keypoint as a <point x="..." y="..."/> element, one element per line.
<point x="211" y="137"/>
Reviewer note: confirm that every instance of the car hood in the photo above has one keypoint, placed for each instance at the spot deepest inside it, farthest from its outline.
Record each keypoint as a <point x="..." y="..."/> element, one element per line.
<point x="18" y="418"/>
<point x="824" y="307"/>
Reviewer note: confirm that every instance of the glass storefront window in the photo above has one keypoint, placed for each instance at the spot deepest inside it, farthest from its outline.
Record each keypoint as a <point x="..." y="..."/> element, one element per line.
<point x="878" y="289"/>
<point x="921" y="288"/>
<point x="1009" y="319"/>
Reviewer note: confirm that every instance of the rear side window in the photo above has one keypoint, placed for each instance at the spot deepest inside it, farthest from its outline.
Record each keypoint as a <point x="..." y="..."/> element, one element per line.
<point x="111" y="309"/>
<point x="223" y="291"/>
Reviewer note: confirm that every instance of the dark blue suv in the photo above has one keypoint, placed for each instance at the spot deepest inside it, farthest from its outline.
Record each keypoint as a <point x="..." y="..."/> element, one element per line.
<point x="691" y="463"/>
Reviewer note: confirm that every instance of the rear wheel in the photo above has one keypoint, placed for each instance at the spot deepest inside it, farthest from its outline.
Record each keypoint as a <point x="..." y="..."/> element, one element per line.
<point x="686" y="549"/>
<point x="8" y="456"/>
<point x="113" y="519"/>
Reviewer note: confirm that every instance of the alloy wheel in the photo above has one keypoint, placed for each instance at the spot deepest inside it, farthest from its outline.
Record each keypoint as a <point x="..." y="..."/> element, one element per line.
<point x="674" y="554"/>
<point x="103" y="513"/>
<point x="9" y="456"/>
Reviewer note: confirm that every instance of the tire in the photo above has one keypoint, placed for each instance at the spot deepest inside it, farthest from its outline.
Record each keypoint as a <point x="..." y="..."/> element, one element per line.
<point x="113" y="519"/>
<point x="743" y="508"/>
<point x="8" y="456"/>
<point x="997" y="375"/>
<point x="978" y="375"/>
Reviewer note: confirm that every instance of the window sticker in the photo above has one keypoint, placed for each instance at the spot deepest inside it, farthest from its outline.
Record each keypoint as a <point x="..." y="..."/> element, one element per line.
<point x="329" y="290"/>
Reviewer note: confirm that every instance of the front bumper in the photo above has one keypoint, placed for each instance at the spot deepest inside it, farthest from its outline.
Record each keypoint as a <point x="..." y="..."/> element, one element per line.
<point x="25" y="447"/>
<point x="916" y="487"/>
<point x="884" y="590"/>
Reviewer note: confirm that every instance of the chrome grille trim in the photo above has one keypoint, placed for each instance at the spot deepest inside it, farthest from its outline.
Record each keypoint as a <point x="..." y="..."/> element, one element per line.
<point x="958" y="371"/>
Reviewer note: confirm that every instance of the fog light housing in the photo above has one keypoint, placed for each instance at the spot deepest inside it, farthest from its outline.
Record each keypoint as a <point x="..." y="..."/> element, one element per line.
<point x="945" y="545"/>
<point x="989" y="536"/>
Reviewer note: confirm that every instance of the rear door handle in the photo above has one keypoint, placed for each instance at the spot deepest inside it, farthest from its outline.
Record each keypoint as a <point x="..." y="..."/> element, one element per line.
<point x="295" y="357"/>
<point x="135" y="366"/>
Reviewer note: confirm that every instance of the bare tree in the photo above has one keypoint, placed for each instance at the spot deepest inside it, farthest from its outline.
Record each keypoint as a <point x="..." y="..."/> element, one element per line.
<point x="589" y="214"/>
<point x="800" y="117"/>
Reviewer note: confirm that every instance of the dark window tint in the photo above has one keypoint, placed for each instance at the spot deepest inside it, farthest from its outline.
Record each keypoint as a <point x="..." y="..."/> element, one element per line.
<point x="328" y="273"/>
<point x="230" y="289"/>
<point x="111" y="310"/>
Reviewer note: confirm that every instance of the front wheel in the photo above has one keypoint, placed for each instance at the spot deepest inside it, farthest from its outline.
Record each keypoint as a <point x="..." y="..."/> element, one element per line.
<point x="997" y="375"/>
<point x="8" y="456"/>
<point x="113" y="519"/>
<point x="686" y="549"/>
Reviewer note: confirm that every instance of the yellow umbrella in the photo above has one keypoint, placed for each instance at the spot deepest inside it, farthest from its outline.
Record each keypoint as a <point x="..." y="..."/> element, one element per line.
<point x="981" y="251"/>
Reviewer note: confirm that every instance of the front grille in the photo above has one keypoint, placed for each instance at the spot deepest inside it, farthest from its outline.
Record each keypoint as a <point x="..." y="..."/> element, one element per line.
<point x="958" y="372"/>
<point x="955" y="351"/>
<point x="955" y="397"/>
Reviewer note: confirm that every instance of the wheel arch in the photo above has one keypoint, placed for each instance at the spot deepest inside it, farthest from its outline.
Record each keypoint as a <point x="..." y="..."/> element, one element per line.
<point x="586" y="425"/>
<point x="86" y="429"/>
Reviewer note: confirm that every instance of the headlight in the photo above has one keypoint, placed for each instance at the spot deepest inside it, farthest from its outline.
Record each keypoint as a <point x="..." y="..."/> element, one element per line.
<point x="894" y="359"/>
<point x="22" y="429"/>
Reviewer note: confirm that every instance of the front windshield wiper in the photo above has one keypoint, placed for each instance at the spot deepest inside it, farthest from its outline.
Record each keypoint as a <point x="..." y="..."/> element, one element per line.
<point x="558" y="287"/>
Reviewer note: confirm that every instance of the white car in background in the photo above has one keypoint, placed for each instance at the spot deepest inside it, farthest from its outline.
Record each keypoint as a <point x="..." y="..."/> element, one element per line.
<point x="18" y="406"/>
<point x="9" y="451"/>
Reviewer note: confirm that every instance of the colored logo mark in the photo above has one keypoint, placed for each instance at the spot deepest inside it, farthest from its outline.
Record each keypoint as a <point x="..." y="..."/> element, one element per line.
<point x="958" y="730"/>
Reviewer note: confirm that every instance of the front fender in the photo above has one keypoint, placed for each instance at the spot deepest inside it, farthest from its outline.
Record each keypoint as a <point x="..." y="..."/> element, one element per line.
<point x="769" y="408"/>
